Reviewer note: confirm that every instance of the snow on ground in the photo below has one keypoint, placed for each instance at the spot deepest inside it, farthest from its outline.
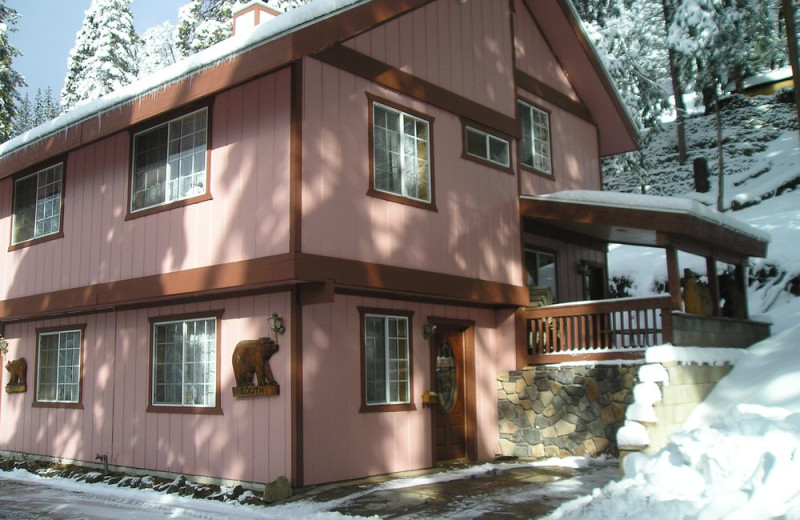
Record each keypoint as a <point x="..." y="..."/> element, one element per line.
<point x="738" y="455"/>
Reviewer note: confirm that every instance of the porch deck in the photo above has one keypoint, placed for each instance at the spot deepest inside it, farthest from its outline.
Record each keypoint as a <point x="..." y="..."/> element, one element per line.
<point x="616" y="329"/>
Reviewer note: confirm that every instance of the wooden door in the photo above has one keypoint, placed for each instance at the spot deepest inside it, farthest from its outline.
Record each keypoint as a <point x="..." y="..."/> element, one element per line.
<point x="449" y="382"/>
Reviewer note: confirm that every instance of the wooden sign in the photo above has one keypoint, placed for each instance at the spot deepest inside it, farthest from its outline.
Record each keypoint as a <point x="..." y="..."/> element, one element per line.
<point x="256" y="391"/>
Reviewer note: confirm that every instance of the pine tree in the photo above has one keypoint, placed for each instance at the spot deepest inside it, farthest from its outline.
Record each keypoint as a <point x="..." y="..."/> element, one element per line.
<point x="25" y="118"/>
<point x="158" y="49"/>
<point x="10" y="80"/>
<point x="105" y="54"/>
<point x="202" y="23"/>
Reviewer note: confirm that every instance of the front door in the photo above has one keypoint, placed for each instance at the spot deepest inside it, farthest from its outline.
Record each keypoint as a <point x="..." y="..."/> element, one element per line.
<point x="448" y="381"/>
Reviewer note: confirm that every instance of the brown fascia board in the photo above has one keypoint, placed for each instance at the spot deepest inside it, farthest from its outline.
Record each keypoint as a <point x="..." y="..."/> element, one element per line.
<point x="561" y="27"/>
<point x="226" y="73"/>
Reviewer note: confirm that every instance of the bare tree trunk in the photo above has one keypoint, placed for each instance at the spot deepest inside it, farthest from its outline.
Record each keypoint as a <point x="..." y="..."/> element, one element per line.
<point x="721" y="179"/>
<point x="677" y="91"/>
<point x="791" y="42"/>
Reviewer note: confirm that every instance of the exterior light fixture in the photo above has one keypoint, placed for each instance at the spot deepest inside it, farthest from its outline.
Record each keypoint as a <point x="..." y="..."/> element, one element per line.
<point x="276" y="324"/>
<point x="428" y="330"/>
<point x="3" y="345"/>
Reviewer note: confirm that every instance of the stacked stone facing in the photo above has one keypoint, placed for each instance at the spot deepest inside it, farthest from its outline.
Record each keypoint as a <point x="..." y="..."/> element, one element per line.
<point x="553" y="411"/>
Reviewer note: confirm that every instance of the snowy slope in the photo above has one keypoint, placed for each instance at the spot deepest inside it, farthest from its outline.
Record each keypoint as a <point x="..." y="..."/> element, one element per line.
<point x="738" y="455"/>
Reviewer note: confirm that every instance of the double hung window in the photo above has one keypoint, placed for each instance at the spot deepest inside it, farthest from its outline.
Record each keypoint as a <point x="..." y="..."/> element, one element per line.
<point x="387" y="359"/>
<point x="169" y="162"/>
<point x="401" y="145"/>
<point x="535" y="148"/>
<point x="37" y="204"/>
<point x="185" y="363"/>
<point x="58" y="377"/>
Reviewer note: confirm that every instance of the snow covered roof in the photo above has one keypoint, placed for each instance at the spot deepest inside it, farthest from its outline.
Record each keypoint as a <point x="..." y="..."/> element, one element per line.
<point x="291" y="21"/>
<point x="278" y="43"/>
<point x="649" y="220"/>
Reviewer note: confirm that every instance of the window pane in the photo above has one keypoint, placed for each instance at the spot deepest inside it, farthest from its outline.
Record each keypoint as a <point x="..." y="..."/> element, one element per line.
<point x="170" y="162"/>
<point x="400" y="153"/>
<point x="386" y="360"/>
<point x="37" y="204"/>
<point x="476" y="143"/>
<point x="498" y="151"/>
<point x="184" y="363"/>
<point x="59" y="367"/>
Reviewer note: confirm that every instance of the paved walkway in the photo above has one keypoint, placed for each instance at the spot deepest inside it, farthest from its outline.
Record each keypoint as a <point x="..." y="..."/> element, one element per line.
<point x="484" y="491"/>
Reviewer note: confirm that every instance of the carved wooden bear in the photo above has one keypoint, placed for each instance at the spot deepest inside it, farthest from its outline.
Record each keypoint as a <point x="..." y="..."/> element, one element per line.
<point x="18" y="370"/>
<point x="251" y="358"/>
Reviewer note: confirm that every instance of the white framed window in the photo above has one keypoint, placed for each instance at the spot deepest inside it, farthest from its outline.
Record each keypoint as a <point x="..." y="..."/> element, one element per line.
<point x="37" y="204"/>
<point x="536" y="146"/>
<point x="169" y="162"/>
<point x="185" y="363"/>
<point x="401" y="145"/>
<point x="387" y="359"/>
<point x="486" y="146"/>
<point x="58" y="371"/>
<point x="540" y="268"/>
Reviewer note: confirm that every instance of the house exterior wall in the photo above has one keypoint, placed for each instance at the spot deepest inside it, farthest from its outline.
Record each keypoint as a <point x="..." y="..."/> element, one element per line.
<point x="474" y="231"/>
<point x="249" y="164"/>
<point x="339" y="441"/>
<point x="464" y="48"/>
<point x="245" y="442"/>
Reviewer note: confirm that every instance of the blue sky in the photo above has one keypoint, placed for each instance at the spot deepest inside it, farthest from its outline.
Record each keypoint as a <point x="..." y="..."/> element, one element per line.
<point x="46" y="32"/>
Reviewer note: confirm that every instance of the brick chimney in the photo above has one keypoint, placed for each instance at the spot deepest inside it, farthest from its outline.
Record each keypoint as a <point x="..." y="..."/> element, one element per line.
<point x="248" y="16"/>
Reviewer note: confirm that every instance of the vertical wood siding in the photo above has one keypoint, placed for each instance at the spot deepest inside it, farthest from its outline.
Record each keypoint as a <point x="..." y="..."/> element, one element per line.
<point x="247" y="218"/>
<point x="464" y="48"/>
<point x="568" y="256"/>
<point x="575" y="153"/>
<point x="377" y="443"/>
<point x="533" y="54"/>
<point x="475" y="231"/>
<point x="248" y="442"/>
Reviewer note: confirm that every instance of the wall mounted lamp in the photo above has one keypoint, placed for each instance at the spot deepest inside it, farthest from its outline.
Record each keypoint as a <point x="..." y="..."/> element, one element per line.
<point x="276" y="324"/>
<point x="3" y="345"/>
<point x="428" y="330"/>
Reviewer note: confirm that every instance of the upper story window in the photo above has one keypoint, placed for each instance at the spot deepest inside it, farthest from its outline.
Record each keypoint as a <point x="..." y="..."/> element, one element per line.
<point x="386" y="355"/>
<point x="486" y="146"/>
<point x="37" y="204"/>
<point x="401" y="155"/>
<point x="184" y="363"/>
<point x="535" y="148"/>
<point x="169" y="162"/>
<point x="58" y="371"/>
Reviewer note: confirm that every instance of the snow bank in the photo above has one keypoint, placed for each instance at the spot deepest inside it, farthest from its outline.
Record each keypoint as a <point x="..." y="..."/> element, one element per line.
<point x="700" y="355"/>
<point x="742" y="467"/>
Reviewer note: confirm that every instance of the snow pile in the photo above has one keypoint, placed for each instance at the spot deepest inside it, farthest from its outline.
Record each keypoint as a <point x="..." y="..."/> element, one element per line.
<point x="742" y="467"/>
<point x="736" y="457"/>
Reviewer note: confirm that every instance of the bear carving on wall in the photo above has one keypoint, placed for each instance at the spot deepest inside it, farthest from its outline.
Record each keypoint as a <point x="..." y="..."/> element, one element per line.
<point x="18" y="370"/>
<point x="251" y="359"/>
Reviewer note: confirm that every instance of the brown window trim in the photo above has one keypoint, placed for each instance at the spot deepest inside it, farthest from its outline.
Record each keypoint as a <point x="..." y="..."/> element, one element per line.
<point x="54" y="404"/>
<point x="157" y="121"/>
<point x="480" y="160"/>
<point x="525" y="167"/>
<point x="379" y="408"/>
<point x="29" y="171"/>
<point x="371" y="191"/>
<point x="192" y="410"/>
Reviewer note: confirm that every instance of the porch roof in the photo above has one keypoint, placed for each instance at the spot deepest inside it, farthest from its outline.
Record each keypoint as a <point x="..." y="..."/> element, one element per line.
<point x="648" y="220"/>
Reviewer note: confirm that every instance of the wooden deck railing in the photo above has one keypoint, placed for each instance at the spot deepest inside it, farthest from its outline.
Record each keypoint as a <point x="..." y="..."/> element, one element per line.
<point x="596" y="330"/>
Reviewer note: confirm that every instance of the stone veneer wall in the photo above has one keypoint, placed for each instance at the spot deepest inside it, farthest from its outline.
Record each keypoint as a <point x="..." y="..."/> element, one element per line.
<point x="550" y="411"/>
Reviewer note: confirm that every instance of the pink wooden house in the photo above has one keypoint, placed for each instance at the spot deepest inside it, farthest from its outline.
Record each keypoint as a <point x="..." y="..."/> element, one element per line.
<point x="369" y="171"/>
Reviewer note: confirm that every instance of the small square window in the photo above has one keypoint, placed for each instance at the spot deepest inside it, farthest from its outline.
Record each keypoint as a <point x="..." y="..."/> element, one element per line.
<point x="488" y="147"/>
<point x="37" y="205"/>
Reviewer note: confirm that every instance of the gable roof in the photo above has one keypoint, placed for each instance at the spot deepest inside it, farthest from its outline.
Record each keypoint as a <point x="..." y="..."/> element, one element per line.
<point x="301" y="32"/>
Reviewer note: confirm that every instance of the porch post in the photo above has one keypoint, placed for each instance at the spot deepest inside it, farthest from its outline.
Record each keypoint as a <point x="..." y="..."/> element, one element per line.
<point x="741" y="282"/>
<point x="674" y="278"/>
<point x="713" y="284"/>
